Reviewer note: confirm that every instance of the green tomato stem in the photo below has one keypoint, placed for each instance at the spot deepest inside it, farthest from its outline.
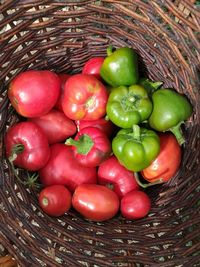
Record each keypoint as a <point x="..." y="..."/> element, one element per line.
<point x="109" y="50"/>
<point x="16" y="149"/>
<point x="176" y="130"/>
<point x="84" y="144"/>
<point x="145" y="185"/>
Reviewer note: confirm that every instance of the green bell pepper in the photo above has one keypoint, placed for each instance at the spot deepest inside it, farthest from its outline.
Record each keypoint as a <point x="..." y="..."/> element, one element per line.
<point x="136" y="148"/>
<point x="170" y="110"/>
<point x="120" y="67"/>
<point x="128" y="105"/>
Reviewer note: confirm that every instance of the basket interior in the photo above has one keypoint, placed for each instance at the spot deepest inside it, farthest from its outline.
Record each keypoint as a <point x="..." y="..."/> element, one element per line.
<point x="62" y="36"/>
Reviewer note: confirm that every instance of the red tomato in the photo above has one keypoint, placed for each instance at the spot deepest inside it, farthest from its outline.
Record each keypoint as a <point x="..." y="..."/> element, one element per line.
<point x="63" y="169"/>
<point x="27" y="142"/>
<point x="95" y="202"/>
<point x="55" y="200"/>
<point x="112" y="173"/>
<point x="135" y="205"/>
<point x="90" y="146"/>
<point x="84" y="98"/>
<point x="34" y="93"/>
<point x="167" y="162"/>
<point x="93" y="66"/>
<point x="55" y="125"/>
<point x="63" y="78"/>
<point x="105" y="125"/>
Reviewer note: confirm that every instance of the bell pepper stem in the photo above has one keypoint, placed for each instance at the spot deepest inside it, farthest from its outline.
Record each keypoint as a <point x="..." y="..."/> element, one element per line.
<point x="109" y="50"/>
<point x="84" y="144"/>
<point x="136" y="132"/>
<point x="176" y="130"/>
<point x="145" y="185"/>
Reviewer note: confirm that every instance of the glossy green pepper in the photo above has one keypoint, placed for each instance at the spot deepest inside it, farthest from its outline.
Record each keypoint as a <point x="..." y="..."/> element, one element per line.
<point x="120" y="67"/>
<point x="170" y="110"/>
<point x="136" y="148"/>
<point x="128" y="105"/>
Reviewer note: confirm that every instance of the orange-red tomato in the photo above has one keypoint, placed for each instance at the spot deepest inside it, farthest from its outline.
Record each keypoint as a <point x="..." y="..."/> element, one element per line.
<point x="95" y="202"/>
<point x="167" y="162"/>
<point x="55" y="125"/>
<point x="93" y="66"/>
<point x="55" y="200"/>
<point x="84" y="98"/>
<point x="135" y="205"/>
<point x="33" y="93"/>
<point x="28" y="143"/>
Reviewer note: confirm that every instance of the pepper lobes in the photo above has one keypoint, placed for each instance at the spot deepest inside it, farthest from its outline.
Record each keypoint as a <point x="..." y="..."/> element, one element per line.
<point x="127" y="106"/>
<point x="120" y="67"/>
<point x="136" y="148"/>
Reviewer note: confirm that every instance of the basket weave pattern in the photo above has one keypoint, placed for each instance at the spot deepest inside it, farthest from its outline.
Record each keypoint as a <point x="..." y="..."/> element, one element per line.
<point x="62" y="36"/>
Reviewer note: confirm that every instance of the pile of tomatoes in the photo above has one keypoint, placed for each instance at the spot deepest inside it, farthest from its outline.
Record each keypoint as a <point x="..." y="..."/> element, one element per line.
<point x="65" y="137"/>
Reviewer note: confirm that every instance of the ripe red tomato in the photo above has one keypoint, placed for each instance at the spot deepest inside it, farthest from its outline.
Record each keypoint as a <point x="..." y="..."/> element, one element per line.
<point x="55" y="125"/>
<point x="167" y="162"/>
<point x="84" y="98"/>
<point x="55" y="200"/>
<point x="93" y="66"/>
<point x="105" y="125"/>
<point x="28" y="143"/>
<point x="90" y="146"/>
<point x="95" y="202"/>
<point x="33" y="93"/>
<point x="63" y="169"/>
<point x="63" y="78"/>
<point x="112" y="173"/>
<point x="135" y="205"/>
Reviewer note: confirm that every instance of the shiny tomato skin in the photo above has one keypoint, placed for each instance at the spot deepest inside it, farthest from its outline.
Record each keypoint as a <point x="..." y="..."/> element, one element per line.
<point x="63" y="78"/>
<point x="55" y="125"/>
<point x="95" y="202"/>
<point x="93" y="66"/>
<point x="55" y="200"/>
<point x="168" y="161"/>
<point x="63" y="169"/>
<point x="111" y="173"/>
<point x="33" y="93"/>
<point x="135" y="205"/>
<point x="105" y="125"/>
<point x="84" y="98"/>
<point x="36" y="150"/>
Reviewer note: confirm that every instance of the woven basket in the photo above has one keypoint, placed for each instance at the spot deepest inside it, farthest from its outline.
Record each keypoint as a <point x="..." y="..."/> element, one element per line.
<point x="62" y="35"/>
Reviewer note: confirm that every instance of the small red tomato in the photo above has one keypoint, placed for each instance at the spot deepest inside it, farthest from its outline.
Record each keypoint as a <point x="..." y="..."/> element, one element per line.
<point x="93" y="66"/>
<point x="90" y="146"/>
<point x="33" y="93"/>
<point x="105" y="125"/>
<point x="63" y="78"/>
<point x="84" y="98"/>
<point x="62" y="168"/>
<point x="55" y="200"/>
<point x="55" y="125"/>
<point x="135" y="205"/>
<point x="168" y="161"/>
<point x="27" y="146"/>
<point x="95" y="202"/>
<point x="111" y="172"/>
